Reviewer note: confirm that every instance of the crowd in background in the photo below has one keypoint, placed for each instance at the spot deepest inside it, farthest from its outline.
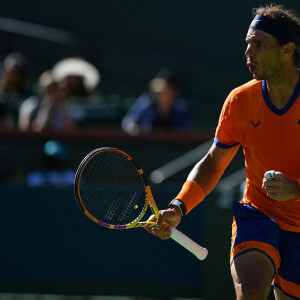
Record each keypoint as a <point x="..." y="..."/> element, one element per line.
<point x="67" y="97"/>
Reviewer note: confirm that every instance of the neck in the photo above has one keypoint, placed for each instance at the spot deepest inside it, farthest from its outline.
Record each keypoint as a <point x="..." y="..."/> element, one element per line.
<point x="281" y="90"/>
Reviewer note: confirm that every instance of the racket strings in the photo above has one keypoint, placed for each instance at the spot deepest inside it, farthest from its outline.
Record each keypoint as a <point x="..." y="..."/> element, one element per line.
<point x="126" y="212"/>
<point x="89" y="192"/>
<point x="111" y="189"/>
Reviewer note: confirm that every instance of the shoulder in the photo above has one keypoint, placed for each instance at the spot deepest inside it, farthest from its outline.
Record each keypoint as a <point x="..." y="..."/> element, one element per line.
<point x="242" y="99"/>
<point x="244" y="95"/>
<point x="247" y="90"/>
<point x="144" y="101"/>
<point x="145" y="98"/>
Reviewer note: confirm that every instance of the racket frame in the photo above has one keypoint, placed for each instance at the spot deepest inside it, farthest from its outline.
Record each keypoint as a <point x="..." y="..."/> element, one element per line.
<point x="176" y="235"/>
<point x="149" y="197"/>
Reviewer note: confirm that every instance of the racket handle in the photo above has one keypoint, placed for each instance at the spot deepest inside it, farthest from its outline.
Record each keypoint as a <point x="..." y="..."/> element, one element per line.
<point x="189" y="244"/>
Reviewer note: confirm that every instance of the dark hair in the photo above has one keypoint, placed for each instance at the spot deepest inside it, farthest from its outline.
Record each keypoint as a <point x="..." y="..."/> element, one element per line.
<point x="170" y="76"/>
<point x="285" y="16"/>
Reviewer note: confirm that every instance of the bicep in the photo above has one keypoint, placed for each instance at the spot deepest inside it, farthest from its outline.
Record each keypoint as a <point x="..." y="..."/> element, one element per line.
<point x="219" y="158"/>
<point x="209" y="170"/>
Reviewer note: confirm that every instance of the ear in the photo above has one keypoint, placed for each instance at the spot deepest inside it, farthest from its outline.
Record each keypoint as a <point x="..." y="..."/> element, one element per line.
<point x="288" y="49"/>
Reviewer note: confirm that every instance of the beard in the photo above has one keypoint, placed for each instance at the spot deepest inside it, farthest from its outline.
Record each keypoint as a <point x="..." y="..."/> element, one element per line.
<point x="270" y="72"/>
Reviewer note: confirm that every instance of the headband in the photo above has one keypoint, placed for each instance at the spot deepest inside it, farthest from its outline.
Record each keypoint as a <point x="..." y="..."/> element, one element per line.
<point x="278" y="30"/>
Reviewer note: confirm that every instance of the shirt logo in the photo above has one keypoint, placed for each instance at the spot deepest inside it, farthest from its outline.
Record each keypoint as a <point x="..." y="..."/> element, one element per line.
<point x="255" y="124"/>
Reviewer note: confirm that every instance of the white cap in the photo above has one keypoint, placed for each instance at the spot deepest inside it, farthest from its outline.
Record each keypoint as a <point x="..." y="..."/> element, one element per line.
<point x="74" y="66"/>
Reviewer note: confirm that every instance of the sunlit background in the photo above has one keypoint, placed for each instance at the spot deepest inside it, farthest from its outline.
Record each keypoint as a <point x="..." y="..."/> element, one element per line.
<point x="49" y="249"/>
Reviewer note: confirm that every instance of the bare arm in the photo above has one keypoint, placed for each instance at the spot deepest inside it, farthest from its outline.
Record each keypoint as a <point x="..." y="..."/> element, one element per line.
<point x="207" y="172"/>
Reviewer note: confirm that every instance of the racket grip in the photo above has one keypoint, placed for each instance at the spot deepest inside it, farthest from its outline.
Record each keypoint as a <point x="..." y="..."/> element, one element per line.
<point x="189" y="244"/>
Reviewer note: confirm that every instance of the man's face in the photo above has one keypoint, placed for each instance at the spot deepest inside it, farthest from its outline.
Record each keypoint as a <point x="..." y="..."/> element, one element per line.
<point x="263" y="55"/>
<point x="165" y="97"/>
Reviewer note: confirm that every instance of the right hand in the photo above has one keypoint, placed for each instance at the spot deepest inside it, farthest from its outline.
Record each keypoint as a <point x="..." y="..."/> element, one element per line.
<point x="168" y="218"/>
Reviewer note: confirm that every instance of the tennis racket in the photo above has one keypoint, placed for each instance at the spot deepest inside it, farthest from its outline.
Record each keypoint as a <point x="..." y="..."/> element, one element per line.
<point x="112" y="190"/>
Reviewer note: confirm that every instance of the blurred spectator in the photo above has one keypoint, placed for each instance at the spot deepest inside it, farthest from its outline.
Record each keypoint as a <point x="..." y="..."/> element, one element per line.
<point x="46" y="110"/>
<point x="52" y="110"/>
<point x="160" y="108"/>
<point x="54" y="172"/>
<point x="65" y="90"/>
<point x="75" y="77"/>
<point x="77" y="82"/>
<point x="13" y="89"/>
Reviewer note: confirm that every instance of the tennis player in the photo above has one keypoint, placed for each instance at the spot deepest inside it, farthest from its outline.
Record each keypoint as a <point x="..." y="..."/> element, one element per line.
<point x="262" y="116"/>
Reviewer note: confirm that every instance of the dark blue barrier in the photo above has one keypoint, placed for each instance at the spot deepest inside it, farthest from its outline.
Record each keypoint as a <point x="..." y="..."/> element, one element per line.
<point x="49" y="246"/>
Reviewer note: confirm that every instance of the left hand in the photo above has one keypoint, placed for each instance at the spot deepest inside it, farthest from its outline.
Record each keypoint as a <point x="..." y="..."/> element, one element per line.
<point x="280" y="188"/>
